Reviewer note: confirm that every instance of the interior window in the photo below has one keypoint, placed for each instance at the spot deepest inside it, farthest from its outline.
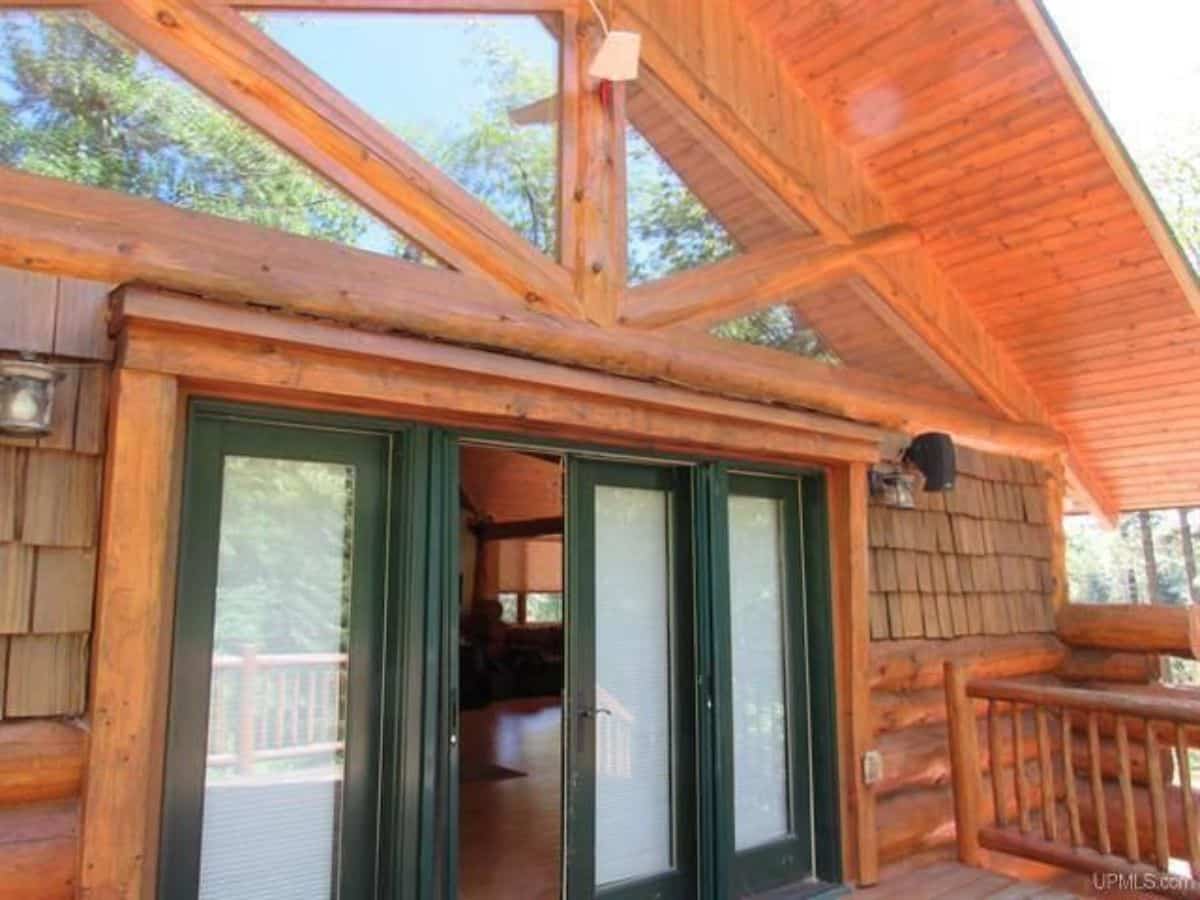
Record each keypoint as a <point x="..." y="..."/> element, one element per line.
<point x="543" y="607"/>
<point x="79" y="102"/>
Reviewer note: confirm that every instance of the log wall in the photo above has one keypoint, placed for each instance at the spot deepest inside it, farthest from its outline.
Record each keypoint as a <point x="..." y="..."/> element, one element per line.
<point x="49" y="513"/>
<point x="965" y="575"/>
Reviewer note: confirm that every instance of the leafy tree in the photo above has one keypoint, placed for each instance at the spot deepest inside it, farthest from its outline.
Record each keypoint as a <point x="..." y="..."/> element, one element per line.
<point x="781" y="328"/>
<point x="80" y="103"/>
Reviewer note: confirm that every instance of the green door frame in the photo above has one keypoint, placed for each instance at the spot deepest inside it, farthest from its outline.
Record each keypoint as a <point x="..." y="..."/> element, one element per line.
<point x="417" y="706"/>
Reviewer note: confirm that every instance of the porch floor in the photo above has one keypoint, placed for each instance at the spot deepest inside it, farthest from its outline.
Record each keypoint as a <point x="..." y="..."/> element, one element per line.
<point x="955" y="881"/>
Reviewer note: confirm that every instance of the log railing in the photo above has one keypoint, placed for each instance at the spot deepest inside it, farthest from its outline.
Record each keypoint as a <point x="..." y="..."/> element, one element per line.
<point x="1088" y="780"/>
<point x="267" y="707"/>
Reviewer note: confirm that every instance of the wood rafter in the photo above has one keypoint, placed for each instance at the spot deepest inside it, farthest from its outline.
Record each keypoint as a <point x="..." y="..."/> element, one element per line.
<point x="957" y="336"/>
<point x="217" y="50"/>
<point x="741" y="284"/>
<point x="127" y="239"/>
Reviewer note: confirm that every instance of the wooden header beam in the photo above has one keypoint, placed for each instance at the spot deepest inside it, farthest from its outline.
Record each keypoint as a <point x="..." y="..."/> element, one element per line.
<point x="741" y="284"/>
<point x="53" y="225"/>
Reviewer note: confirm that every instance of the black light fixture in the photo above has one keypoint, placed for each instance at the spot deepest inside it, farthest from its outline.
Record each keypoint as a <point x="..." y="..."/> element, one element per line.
<point x="931" y="455"/>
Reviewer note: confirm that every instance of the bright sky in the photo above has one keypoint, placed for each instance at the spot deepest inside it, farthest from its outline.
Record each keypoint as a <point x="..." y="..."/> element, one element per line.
<point x="406" y="69"/>
<point x="1140" y="59"/>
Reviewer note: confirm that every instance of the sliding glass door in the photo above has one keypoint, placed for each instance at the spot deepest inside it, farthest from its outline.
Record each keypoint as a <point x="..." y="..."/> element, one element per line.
<point x="304" y="750"/>
<point x="630" y="717"/>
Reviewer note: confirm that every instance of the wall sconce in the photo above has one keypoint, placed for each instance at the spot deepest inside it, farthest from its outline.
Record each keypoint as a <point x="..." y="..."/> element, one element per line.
<point x="26" y="397"/>
<point x="893" y="486"/>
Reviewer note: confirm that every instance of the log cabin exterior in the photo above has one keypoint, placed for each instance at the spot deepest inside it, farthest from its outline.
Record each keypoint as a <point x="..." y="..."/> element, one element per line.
<point x="931" y="189"/>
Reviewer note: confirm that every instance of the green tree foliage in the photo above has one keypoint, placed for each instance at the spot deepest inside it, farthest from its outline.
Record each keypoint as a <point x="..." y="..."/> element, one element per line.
<point x="1108" y="566"/>
<point x="670" y="230"/>
<point x="80" y="103"/>
<point x="285" y="556"/>
<point x="781" y="328"/>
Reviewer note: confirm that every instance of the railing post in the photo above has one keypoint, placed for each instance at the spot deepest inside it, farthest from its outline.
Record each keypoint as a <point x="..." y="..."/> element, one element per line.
<point x="247" y="688"/>
<point x="964" y="763"/>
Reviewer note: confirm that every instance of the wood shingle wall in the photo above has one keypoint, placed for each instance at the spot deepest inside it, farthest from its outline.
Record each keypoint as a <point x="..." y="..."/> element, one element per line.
<point x="967" y="575"/>
<point x="974" y="560"/>
<point x="50" y="497"/>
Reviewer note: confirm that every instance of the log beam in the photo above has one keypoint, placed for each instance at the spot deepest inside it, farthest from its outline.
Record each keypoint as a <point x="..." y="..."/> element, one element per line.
<point x="1136" y="628"/>
<point x="54" y="226"/>
<point x="917" y="291"/>
<point x="708" y="294"/>
<point x="228" y="58"/>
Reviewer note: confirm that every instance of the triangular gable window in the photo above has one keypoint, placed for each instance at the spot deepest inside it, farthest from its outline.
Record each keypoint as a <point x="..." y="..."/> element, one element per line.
<point x="778" y="327"/>
<point x="843" y="324"/>
<point x="471" y="93"/>
<point x="79" y="102"/>
<point x="689" y="200"/>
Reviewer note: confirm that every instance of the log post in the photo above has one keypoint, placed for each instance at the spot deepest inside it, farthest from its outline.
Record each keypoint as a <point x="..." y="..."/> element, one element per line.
<point x="130" y="641"/>
<point x="964" y="763"/>
<point x="247" y="689"/>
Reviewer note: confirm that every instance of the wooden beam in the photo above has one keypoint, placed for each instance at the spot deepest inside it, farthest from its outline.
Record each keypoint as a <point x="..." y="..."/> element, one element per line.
<point x="134" y="600"/>
<point x="1110" y="145"/>
<point x="852" y="637"/>
<point x="715" y="148"/>
<point x="728" y="126"/>
<point x="51" y="225"/>
<point x="1137" y="627"/>
<point x="741" y="284"/>
<point x="224" y="55"/>
<point x="932" y="309"/>
<point x="525" y="528"/>
<point x="599" y="201"/>
<point x="429" y="6"/>
<point x="458" y="385"/>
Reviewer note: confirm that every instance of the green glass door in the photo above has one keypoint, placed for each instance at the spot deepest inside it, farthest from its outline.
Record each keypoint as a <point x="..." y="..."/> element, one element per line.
<point x="630" y="718"/>
<point x="281" y="699"/>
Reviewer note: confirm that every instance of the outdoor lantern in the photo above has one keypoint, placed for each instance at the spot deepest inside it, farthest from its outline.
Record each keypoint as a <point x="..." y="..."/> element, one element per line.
<point x="893" y="486"/>
<point x="26" y="397"/>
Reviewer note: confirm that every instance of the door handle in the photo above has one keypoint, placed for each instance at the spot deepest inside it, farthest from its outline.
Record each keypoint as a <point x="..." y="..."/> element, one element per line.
<point x="594" y="712"/>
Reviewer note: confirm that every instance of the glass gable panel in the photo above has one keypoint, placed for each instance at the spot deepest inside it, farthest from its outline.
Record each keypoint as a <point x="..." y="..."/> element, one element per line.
<point x="843" y="324"/>
<point x="689" y="200"/>
<point x="79" y="102"/>
<point x="780" y="327"/>
<point x="463" y="90"/>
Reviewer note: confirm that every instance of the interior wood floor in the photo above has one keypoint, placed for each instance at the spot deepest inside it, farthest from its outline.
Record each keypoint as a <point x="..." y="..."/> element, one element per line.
<point x="510" y="831"/>
<point x="954" y="881"/>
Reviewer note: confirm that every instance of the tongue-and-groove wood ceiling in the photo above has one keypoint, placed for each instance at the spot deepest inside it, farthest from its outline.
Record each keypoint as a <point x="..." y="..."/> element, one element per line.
<point x="965" y="124"/>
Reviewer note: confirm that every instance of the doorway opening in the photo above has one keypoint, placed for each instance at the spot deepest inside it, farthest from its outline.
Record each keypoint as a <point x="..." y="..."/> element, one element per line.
<point x="511" y="674"/>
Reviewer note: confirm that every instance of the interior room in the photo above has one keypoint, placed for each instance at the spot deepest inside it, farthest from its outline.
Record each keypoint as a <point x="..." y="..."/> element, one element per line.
<point x="510" y="674"/>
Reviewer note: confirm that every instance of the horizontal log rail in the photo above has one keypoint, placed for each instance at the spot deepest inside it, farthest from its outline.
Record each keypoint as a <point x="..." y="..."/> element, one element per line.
<point x="1107" y="790"/>
<point x="1132" y="627"/>
<point x="270" y="707"/>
